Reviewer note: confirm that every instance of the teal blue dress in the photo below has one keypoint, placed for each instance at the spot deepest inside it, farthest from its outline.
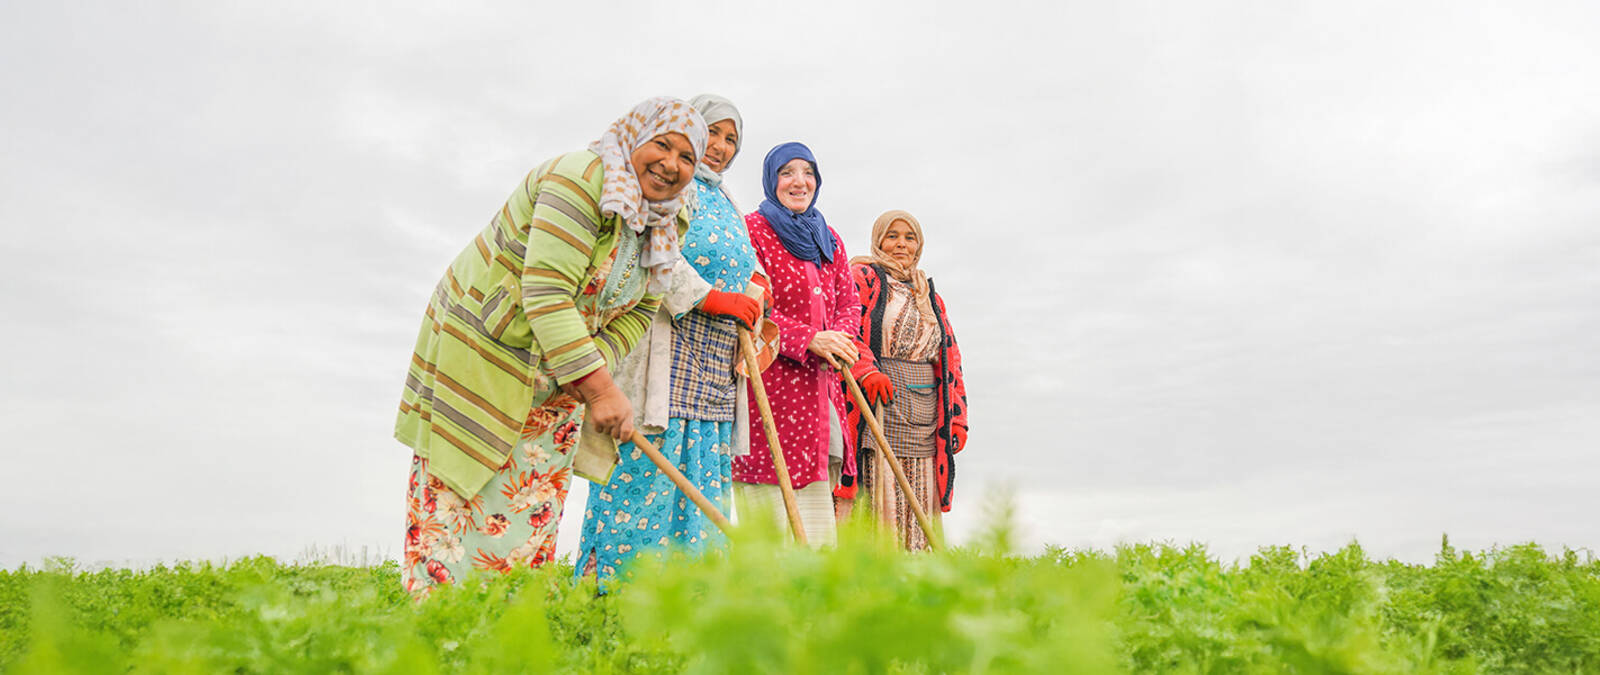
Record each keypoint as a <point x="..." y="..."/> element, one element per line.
<point x="639" y="509"/>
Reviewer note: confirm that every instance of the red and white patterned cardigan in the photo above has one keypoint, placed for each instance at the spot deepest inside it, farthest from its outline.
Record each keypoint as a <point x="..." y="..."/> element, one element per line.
<point x="952" y="432"/>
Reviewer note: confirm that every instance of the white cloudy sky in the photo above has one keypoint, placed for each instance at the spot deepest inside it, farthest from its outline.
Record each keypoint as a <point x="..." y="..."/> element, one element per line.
<point x="1235" y="272"/>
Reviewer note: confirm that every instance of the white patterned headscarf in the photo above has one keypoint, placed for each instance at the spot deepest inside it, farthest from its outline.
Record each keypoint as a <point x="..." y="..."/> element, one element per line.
<point x="620" y="195"/>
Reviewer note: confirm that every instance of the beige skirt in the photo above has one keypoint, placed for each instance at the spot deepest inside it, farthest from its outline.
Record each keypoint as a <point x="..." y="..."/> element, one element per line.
<point x="815" y="502"/>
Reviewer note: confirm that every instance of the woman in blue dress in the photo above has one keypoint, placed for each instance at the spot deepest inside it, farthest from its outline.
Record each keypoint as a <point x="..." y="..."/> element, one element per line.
<point x="682" y="380"/>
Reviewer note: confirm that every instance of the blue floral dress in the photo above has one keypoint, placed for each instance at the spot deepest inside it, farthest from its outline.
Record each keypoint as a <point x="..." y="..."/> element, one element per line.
<point x="639" y="509"/>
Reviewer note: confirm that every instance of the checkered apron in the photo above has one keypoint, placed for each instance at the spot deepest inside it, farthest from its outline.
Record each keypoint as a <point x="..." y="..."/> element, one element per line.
<point x="703" y="385"/>
<point x="912" y="419"/>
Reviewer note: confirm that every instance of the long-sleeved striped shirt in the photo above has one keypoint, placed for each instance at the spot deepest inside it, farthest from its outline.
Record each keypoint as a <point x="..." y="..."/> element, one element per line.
<point x="518" y="312"/>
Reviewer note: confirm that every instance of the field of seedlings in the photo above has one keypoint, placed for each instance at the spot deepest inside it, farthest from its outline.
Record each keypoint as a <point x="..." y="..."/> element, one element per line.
<point x="770" y="607"/>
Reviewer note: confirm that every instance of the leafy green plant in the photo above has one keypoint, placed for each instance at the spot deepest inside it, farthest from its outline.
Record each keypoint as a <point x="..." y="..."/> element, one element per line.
<point x="765" y="605"/>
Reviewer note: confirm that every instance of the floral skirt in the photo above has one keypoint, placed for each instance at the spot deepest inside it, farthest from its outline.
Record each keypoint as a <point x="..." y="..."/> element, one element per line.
<point x="640" y="510"/>
<point x="510" y="523"/>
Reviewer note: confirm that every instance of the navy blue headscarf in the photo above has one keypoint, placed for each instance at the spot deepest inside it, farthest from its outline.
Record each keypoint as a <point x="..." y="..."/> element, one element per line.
<point x="804" y="234"/>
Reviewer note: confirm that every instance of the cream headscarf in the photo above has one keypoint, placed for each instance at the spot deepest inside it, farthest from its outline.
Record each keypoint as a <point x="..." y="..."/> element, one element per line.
<point x="913" y="277"/>
<point x="714" y="109"/>
<point x="621" y="197"/>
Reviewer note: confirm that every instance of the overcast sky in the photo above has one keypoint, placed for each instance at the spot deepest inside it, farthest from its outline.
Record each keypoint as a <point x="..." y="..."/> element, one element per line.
<point x="1240" y="273"/>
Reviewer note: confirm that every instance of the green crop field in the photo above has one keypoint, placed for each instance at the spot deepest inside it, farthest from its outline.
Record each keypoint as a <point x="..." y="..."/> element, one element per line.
<point x="770" y="607"/>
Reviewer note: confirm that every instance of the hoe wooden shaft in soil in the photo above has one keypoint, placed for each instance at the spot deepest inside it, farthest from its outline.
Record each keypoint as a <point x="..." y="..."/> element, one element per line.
<point x="683" y="483"/>
<point x="753" y="364"/>
<point x="894" y="462"/>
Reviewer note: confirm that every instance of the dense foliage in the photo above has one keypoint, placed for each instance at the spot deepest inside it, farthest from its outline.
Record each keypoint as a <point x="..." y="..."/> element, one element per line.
<point x="769" y="607"/>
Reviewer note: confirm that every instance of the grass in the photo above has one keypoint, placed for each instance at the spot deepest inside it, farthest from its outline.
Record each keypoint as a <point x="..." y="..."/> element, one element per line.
<point x="862" y="608"/>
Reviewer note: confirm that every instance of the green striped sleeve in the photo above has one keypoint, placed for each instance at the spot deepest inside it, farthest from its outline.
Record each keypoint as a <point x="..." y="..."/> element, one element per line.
<point x="562" y="236"/>
<point x="618" y="338"/>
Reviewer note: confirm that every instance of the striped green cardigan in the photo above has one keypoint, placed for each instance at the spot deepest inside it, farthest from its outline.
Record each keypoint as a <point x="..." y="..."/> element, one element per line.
<point x="502" y="329"/>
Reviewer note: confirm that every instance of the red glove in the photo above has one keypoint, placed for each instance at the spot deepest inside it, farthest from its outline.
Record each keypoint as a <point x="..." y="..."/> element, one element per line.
<point x="738" y="307"/>
<point x="877" y="387"/>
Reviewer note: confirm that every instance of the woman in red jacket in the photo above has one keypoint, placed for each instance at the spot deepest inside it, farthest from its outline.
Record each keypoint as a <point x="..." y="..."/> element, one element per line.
<point x="905" y="325"/>
<point x="818" y="313"/>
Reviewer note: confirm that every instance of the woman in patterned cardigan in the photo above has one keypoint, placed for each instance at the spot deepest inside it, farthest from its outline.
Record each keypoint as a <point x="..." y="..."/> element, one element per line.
<point x="905" y="325"/>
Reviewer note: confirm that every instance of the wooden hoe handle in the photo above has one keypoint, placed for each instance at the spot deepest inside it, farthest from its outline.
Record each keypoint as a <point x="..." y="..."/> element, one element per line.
<point x="753" y="364"/>
<point x="683" y="483"/>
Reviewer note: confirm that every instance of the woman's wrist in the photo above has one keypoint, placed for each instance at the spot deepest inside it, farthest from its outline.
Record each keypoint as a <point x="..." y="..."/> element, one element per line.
<point x="595" y="385"/>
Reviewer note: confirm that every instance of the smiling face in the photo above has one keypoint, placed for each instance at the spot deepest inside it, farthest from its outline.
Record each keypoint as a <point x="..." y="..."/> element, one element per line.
<point x="722" y="144"/>
<point x="901" y="243"/>
<point x="797" y="185"/>
<point x="664" y="165"/>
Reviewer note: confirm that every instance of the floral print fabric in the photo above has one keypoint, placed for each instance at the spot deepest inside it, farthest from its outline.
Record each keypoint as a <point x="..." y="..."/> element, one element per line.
<point x="640" y="510"/>
<point x="512" y="521"/>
